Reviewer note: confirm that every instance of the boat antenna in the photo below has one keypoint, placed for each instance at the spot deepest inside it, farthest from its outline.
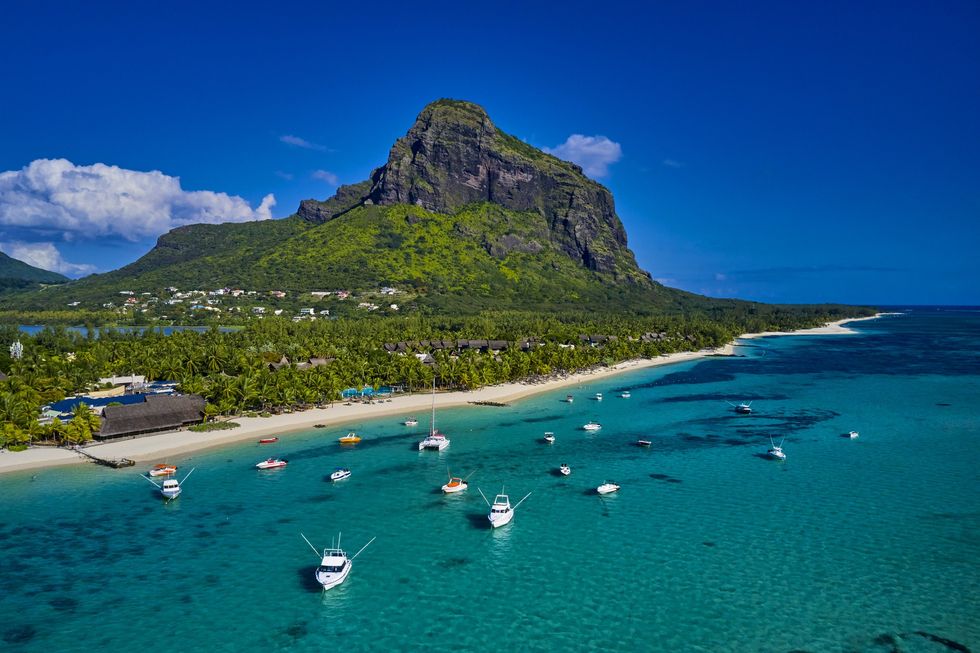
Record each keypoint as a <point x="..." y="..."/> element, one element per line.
<point x="521" y="501"/>
<point x="470" y="474"/>
<point x="729" y="403"/>
<point x="782" y="441"/>
<point x="315" y="550"/>
<point x="149" y="480"/>
<point x="363" y="547"/>
<point x="484" y="496"/>
<point x="771" y="442"/>
<point x="187" y="477"/>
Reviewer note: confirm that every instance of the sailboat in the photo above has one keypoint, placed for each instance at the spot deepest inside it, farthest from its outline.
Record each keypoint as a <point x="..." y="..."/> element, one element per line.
<point x="435" y="441"/>
<point x="501" y="512"/>
<point x="171" y="487"/>
<point x="742" y="408"/>
<point x="776" y="451"/>
<point x="456" y="484"/>
<point x="334" y="566"/>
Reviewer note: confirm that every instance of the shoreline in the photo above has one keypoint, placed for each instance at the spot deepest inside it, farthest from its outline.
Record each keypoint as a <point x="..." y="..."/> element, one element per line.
<point x="175" y="443"/>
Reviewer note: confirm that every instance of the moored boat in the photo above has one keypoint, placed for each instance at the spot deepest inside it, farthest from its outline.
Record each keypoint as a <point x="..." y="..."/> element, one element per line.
<point x="171" y="487"/>
<point x="569" y="399"/>
<point x="607" y="488"/>
<point x="456" y="484"/>
<point x="742" y="408"/>
<point x="501" y="512"/>
<point x="592" y="426"/>
<point x="350" y="438"/>
<point x="272" y="463"/>
<point x="852" y="435"/>
<point x="564" y="470"/>
<point x="549" y="437"/>
<point x="435" y="441"/>
<point x="340" y="474"/>
<point x="411" y="421"/>
<point x="598" y="396"/>
<point x="776" y="450"/>
<point x="625" y="394"/>
<point x="268" y="440"/>
<point x="643" y="443"/>
<point x="163" y="470"/>
<point x="334" y="565"/>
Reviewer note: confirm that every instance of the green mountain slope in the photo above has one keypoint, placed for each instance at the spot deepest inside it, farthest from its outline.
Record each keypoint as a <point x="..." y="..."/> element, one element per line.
<point x="17" y="275"/>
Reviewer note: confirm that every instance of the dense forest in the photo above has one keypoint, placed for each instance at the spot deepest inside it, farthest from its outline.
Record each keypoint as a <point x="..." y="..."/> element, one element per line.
<point x="231" y="369"/>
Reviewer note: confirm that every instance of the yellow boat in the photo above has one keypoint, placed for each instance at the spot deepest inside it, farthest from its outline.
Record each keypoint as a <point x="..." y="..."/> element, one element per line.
<point x="350" y="438"/>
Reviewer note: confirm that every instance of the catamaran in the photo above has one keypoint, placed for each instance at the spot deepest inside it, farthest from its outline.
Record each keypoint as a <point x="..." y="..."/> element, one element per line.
<point x="171" y="487"/>
<point x="776" y="451"/>
<point x="742" y="408"/>
<point x="549" y="437"/>
<point x="607" y="488"/>
<point x="350" y="438"/>
<point x="163" y="470"/>
<point x="501" y="512"/>
<point x="334" y="566"/>
<point x="592" y="426"/>
<point x="340" y="474"/>
<point x="272" y="463"/>
<point x="435" y="441"/>
<point x="456" y="484"/>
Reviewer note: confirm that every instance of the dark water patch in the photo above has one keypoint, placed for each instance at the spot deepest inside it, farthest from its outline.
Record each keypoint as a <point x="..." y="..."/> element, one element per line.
<point x="454" y="563"/>
<point x="211" y="579"/>
<point x="297" y="630"/>
<point x="19" y="634"/>
<point x="722" y="398"/>
<point x="402" y="580"/>
<point x="943" y="404"/>
<point x="203" y="535"/>
<point x="285" y="520"/>
<point x="478" y="520"/>
<point x="953" y="516"/>
<point x="667" y="478"/>
<point x="708" y="544"/>
<point x="64" y="604"/>
<point x="535" y="420"/>
<point x="948" y="643"/>
<point x="400" y="468"/>
<point x="321" y="498"/>
<point x="223" y="524"/>
<point x="674" y="480"/>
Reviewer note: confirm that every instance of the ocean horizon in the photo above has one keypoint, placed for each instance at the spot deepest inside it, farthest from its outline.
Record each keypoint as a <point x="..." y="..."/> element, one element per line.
<point x="866" y="544"/>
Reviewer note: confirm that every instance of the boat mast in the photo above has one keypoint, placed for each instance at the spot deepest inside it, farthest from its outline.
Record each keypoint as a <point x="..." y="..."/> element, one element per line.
<point x="432" y="429"/>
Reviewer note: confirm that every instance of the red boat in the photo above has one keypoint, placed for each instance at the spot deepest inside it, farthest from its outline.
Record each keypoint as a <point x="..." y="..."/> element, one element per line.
<point x="268" y="440"/>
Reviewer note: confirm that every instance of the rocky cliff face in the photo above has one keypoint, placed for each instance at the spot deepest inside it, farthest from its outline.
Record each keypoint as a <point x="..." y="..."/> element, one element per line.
<point x="454" y="155"/>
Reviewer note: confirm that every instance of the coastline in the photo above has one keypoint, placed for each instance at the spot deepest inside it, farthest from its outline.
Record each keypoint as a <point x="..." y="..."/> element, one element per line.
<point x="174" y="443"/>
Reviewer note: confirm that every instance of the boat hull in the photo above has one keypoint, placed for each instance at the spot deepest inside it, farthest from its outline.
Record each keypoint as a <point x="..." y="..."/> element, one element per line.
<point x="329" y="581"/>
<point x="452" y="489"/>
<point x="498" y="520"/>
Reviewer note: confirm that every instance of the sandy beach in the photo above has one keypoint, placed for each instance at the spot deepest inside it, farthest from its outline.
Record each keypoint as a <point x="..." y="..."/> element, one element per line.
<point x="173" y="443"/>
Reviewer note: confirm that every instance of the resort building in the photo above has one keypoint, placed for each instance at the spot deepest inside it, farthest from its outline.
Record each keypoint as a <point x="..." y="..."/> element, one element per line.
<point x="156" y="413"/>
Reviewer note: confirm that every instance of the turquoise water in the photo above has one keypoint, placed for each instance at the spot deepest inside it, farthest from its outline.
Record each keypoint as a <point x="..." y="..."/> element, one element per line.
<point x="846" y="546"/>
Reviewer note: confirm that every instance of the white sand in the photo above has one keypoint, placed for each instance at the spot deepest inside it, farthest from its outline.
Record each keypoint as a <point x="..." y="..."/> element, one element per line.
<point x="161" y="446"/>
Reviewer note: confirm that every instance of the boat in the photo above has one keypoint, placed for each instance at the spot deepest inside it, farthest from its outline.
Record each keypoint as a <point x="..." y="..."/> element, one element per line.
<point x="549" y="437"/>
<point x="776" y="452"/>
<point x="163" y="470"/>
<point x="350" y="438"/>
<point x="411" y="421"/>
<point x="598" y="396"/>
<point x="852" y="435"/>
<point x="272" y="463"/>
<point x="607" y="488"/>
<point x="564" y="470"/>
<point x="625" y="394"/>
<point x="171" y="487"/>
<point x="501" y="512"/>
<point x="334" y="566"/>
<point x="569" y="399"/>
<point x="268" y="440"/>
<point x="340" y="474"/>
<point x="456" y="484"/>
<point x="742" y="408"/>
<point x="592" y="426"/>
<point x="435" y="441"/>
<point x="643" y="443"/>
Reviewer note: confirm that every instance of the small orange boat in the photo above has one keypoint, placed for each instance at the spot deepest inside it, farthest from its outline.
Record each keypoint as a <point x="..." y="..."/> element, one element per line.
<point x="350" y="438"/>
<point x="163" y="470"/>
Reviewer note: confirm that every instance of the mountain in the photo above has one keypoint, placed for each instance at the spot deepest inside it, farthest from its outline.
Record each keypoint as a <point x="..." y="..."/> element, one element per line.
<point x="462" y="216"/>
<point x="17" y="275"/>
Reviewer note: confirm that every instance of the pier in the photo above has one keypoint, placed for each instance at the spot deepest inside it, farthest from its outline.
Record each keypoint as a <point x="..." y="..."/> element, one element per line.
<point x="115" y="464"/>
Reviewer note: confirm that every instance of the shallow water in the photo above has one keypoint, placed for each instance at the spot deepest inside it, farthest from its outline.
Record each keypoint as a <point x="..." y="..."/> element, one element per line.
<point x="849" y="545"/>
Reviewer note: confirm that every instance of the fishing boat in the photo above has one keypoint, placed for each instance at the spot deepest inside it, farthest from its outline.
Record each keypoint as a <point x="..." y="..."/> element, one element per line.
<point x="549" y="437"/>
<point x="163" y="470"/>
<point x="592" y="426"/>
<point x="350" y="438"/>
<point x="742" y="408"/>
<point x="569" y="399"/>
<point x="268" y="440"/>
<point x="607" y="488"/>
<point x="435" y="441"/>
<point x="334" y="566"/>
<point x="852" y="435"/>
<point x="643" y="443"/>
<point x="501" y="512"/>
<point x="340" y="474"/>
<point x="625" y="394"/>
<point x="272" y="463"/>
<point x="456" y="484"/>
<point x="564" y="470"/>
<point x="598" y="396"/>
<point x="411" y="421"/>
<point x="776" y="451"/>
<point x="171" y="487"/>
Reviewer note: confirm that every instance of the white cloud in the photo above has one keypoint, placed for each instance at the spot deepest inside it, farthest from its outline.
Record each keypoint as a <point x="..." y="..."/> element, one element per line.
<point x="101" y="200"/>
<point x="719" y="276"/>
<point x="327" y="176"/>
<point x="594" y="153"/>
<point x="45" y="256"/>
<point x="288" y="176"/>
<point x="296" y="141"/>
<point x="671" y="163"/>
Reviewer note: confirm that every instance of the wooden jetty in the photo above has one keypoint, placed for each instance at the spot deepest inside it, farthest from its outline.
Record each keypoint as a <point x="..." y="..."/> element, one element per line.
<point x="115" y="464"/>
<point x="497" y="404"/>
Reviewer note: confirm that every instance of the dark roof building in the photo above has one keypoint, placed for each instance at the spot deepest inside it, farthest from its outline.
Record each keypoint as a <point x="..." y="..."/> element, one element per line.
<point x="157" y="413"/>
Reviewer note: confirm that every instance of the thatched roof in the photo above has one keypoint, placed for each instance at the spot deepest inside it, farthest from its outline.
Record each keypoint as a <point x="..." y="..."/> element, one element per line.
<point x="157" y="413"/>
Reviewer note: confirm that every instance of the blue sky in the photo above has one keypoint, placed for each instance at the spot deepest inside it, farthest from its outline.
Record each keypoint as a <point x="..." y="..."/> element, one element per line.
<point x="792" y="152"/>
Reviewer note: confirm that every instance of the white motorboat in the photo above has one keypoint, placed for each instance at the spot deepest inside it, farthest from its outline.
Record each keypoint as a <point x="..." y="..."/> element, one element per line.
<point x="592" y="426"/>
<point x="852" y="435"/>
<point x="607" y="488"/>
<point x="569" y="399"/>
<point x="340" y="474"/>
<point x="334" y="566"/>
<point x="625" y="394"/>
<point x="776" y="452"/>
<point x="742" y="408"/>
<point x="456" y="484"/>
<point x="501" y="512"/>
<point x="411" y="421"/>
<point x="163" y="469"/>
<point x="549" y="437"/>
<point x="598" y="396"/>
<point x="272" y="463"/>
<point x="435" y="441"/>
<point x="171" y="487"/>
<point x="564" y="470"/>
<point x="643" y="443"/>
